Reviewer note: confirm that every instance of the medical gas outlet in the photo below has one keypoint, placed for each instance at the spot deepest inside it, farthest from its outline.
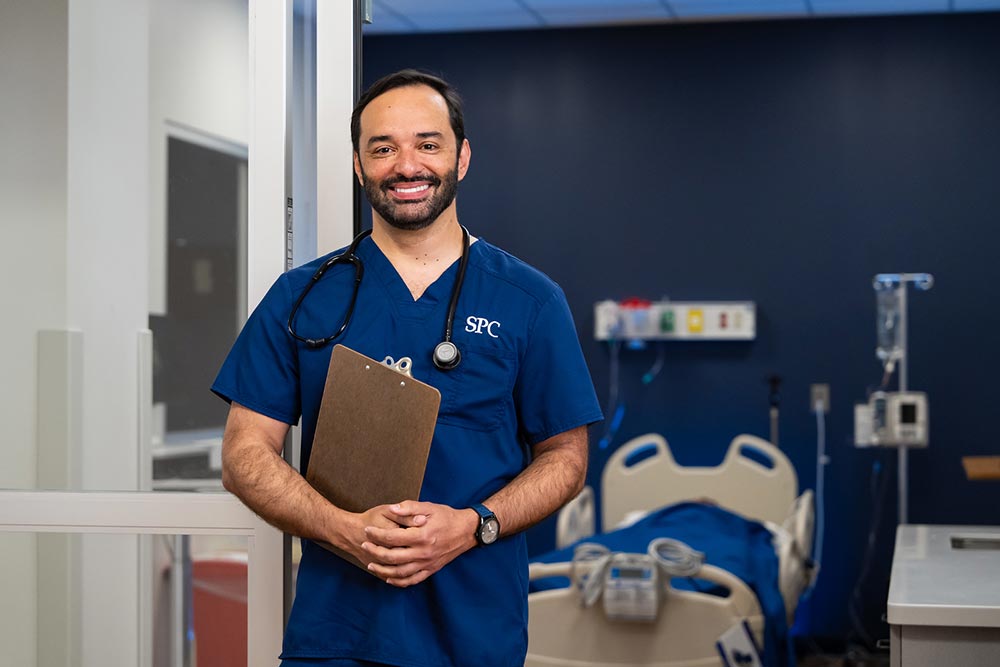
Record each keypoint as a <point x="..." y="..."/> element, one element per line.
<point x="638" y="319"/>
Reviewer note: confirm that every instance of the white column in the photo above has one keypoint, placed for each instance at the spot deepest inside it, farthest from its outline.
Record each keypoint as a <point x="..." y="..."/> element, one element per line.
<point x="270" y="185"/>
<point x="335" y="55"/>
<point x="107" y="293"/>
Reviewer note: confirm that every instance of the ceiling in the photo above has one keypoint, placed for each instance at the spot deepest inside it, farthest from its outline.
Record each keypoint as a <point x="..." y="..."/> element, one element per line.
<point x="420" y="16"/>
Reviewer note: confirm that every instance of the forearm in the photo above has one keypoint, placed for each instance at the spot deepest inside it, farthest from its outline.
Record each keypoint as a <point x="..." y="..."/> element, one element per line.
<point x="277" y="493"/>
<point x="253" y="470"/>
<point x="555" y="475"/>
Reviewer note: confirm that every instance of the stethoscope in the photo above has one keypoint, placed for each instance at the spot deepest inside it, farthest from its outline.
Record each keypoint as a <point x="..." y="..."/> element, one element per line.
<point x="446" y="355"/>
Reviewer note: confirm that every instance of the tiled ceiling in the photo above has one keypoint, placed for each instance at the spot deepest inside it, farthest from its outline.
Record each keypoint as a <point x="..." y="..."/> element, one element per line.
<point x="416" y="16"/>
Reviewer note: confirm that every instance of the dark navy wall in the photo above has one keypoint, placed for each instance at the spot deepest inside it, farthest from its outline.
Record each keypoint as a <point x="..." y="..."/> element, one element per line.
<point x="781" y="162"/>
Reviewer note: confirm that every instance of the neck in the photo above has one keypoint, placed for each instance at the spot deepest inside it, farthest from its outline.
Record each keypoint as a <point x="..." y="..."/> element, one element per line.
<point x="419" y="256"/>
<point x="440" y="240"/>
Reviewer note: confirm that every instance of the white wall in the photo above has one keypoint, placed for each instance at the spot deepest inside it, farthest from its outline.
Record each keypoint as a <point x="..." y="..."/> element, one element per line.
<point x="107" y="197"/>
<point x="32" y="269"/>
<point x="32" y="213"/>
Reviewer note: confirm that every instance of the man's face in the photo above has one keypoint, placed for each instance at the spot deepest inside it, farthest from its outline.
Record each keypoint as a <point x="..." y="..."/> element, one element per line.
<point x="408" y="160"/>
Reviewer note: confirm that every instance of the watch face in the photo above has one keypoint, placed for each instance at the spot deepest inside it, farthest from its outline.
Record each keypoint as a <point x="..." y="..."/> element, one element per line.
<point x="490" y="531"/>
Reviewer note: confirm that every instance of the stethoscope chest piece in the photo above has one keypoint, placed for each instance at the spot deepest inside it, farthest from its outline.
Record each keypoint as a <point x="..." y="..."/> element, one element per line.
<point x="446" y="355"/>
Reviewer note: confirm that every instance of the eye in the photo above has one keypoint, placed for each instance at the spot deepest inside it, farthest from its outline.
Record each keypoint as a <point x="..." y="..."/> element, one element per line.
<point x="428" y="147"/>
<point x="382" y="150"/>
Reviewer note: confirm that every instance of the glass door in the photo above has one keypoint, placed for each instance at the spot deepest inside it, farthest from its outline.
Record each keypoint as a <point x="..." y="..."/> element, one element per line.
<point x="146" y="191"/>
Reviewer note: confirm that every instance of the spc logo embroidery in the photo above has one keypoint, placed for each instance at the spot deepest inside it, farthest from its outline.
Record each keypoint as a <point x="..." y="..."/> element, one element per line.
<point x="480" y="325"/>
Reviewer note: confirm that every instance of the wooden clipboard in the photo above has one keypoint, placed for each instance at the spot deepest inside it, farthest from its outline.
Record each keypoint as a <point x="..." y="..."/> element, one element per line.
<point x="373" y="434"/>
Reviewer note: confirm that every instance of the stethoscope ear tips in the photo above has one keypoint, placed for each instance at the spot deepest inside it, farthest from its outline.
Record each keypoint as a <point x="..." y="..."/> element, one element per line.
<point x="446" y="355"/>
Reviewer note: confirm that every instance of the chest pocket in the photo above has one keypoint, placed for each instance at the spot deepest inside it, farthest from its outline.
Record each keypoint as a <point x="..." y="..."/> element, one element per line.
<point x="478" y="393"/>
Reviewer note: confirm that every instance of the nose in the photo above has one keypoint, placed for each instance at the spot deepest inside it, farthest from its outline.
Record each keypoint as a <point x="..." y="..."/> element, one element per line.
<point x="408" y="163"/>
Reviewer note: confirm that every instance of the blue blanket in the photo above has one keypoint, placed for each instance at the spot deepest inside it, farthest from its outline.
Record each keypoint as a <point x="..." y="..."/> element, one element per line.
<point x="738" y="545"/>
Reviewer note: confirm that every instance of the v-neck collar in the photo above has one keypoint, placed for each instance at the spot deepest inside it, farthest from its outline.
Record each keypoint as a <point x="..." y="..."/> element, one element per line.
<point x="437" y="294"/>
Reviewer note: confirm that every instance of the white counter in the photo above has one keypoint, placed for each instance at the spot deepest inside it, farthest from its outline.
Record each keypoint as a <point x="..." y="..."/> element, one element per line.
<point x="944" y="597"/>
<point x="935" y="583"/>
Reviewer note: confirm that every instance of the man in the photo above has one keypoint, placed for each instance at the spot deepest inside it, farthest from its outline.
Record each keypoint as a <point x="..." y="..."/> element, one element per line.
<point x="510" y="444"/>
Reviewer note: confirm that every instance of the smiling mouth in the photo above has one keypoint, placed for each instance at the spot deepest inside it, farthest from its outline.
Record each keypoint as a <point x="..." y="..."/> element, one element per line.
<point x="411" y="190"/>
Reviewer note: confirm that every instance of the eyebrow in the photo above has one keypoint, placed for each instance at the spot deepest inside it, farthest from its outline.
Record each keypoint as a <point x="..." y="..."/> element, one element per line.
<point x="419" y="135"/>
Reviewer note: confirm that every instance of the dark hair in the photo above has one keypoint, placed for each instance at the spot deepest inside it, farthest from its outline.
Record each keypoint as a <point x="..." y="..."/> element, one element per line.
<point x="411" y="77"/>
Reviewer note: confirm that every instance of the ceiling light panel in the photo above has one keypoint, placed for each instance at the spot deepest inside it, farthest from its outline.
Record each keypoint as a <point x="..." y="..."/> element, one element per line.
<point x="976" y="5"/>
<point x="693" y="9"/>
<point x="451" y="15"/>
<point x="578" y="12"/>
<point x="854" y="7"/>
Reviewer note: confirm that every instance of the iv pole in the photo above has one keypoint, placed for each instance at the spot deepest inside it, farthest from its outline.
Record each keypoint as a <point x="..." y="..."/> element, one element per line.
<point x="898" y="283"/>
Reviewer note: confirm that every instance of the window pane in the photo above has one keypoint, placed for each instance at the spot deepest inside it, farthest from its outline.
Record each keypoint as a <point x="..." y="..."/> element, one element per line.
<point x="123" y="182"/>
<point x="123" y="600"/>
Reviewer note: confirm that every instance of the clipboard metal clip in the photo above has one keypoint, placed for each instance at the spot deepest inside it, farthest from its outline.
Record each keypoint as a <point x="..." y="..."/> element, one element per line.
<point x="402" y="366"/>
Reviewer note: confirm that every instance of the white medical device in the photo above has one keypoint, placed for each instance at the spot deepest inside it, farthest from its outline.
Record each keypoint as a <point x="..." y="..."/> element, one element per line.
<point x="630" y="583"/>
<point x="892" y="419"/>
<point x="632" y="588"/>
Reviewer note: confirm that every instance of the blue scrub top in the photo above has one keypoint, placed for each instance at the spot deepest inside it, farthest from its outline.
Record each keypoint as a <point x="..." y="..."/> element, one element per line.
<point x="522" y="379"/>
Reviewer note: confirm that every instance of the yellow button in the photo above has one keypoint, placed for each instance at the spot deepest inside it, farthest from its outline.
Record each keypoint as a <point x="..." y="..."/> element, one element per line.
<point x="696" y="320"/>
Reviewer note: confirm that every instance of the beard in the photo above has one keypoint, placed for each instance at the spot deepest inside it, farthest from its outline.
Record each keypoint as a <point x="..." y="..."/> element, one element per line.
<point x="411" y="215"/>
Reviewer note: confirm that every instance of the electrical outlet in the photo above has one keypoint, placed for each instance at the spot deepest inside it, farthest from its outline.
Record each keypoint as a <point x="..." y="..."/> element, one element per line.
<point x="819" y="397"/>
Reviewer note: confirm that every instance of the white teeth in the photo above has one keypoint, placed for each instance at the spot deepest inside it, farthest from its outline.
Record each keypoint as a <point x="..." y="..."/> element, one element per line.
<point x="419" y="188"/>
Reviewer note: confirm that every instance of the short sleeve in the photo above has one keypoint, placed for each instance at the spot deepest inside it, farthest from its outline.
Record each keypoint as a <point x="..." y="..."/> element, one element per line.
<point x="554" y="391"/>
<point x="261" y="371"/>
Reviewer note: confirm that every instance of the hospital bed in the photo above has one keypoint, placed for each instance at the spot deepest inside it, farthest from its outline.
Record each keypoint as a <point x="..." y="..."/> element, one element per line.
<point x="753" y="493"/>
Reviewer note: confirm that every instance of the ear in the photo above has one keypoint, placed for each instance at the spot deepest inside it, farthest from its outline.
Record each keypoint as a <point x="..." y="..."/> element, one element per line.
<point x="357" y="169"/>
<point x="464" y="156"/>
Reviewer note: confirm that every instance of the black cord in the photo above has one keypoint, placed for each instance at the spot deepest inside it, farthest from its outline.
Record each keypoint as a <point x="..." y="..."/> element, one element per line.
<point x="457" y="287"/>
<point x="818" y="652"/>
<point x="876" y="490"/>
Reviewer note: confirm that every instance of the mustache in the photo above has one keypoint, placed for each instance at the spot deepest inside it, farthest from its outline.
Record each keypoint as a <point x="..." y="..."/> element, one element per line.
<point x="426" y="178"/>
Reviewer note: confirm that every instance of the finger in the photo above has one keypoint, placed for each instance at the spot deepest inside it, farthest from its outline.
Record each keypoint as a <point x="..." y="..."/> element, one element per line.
<point x="396" y="555"/>
<point x="392" y="537"/>
<point x="391" y="557"/>
<point x="395" y="572"/>
<point x="410" y="521"/>
<point x="411" y="507"/>
<point x="409" y="581"/>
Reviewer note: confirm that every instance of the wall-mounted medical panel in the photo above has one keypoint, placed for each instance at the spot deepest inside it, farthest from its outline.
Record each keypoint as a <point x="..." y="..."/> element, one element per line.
<point x="638" y="319"/>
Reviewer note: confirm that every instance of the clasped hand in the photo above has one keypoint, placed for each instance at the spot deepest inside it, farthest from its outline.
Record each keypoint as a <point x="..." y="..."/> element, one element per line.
<point x="406" y="543"/>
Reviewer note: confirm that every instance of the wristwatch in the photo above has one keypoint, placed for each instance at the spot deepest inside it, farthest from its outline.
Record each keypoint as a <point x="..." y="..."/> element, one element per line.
<point x="488" y="529"/>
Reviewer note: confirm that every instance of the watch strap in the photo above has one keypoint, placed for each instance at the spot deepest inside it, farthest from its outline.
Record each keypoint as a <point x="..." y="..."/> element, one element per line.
<point x="486" y="516"/>
<point x="483" y="511"/>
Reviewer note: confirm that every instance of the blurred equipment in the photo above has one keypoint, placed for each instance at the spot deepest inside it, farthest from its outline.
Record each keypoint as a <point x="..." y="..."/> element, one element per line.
<point x="719" y="545"/>
<point x="894" y="418"/>
<point x="643" y="320"/>
<point x="774" y="399"/>
<point x="636" y="322"/>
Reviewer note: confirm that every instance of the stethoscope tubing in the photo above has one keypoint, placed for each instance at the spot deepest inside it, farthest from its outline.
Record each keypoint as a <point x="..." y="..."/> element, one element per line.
<point x="350" y="256"/>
